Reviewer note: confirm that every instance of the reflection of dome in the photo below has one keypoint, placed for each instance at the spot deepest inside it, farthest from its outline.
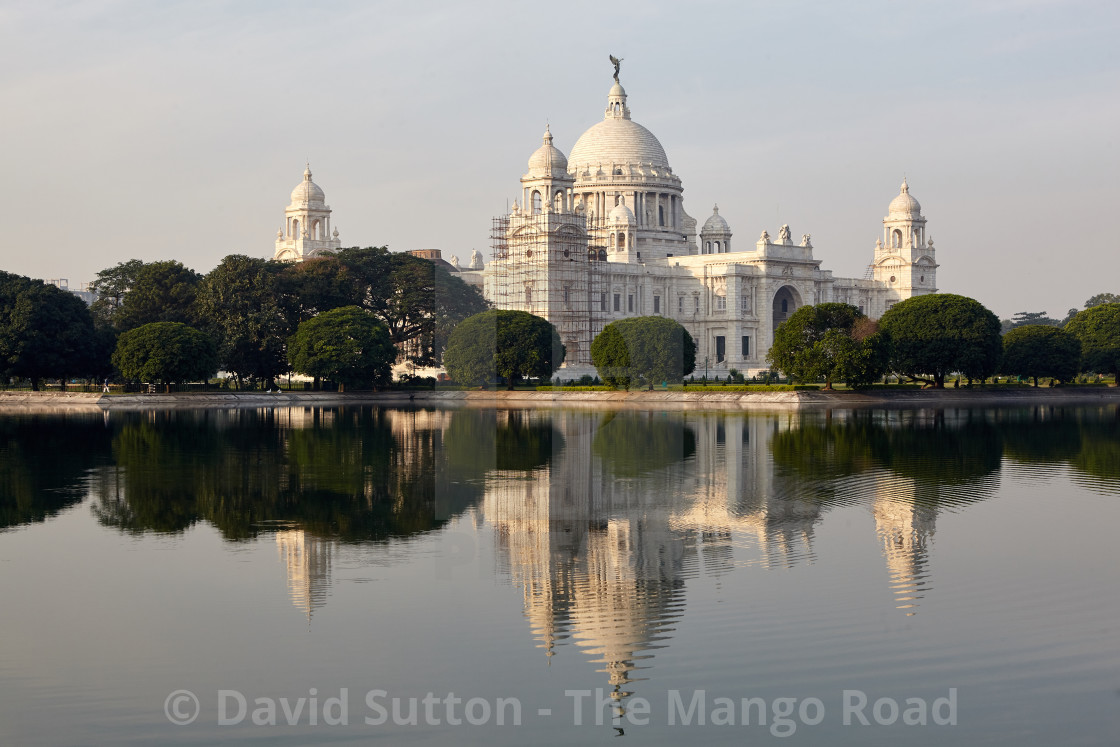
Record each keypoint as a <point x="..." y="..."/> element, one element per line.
<point x="622" y="214"/>
<point x="617" y="139"/>
<point x="904" y="204"/>
<point x="716" y="223"/>
<point x="547" y="159"/>
<point x="307" y="192"/>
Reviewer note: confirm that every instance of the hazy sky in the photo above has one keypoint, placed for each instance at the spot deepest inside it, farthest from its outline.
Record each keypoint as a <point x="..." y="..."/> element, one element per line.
<point x="177" y="130"/>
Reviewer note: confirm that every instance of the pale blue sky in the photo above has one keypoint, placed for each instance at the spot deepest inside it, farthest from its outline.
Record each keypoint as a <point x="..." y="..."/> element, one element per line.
<point x="177" y="130"/>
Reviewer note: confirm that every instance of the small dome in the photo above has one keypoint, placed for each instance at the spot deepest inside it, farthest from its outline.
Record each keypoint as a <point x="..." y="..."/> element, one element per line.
<point x="716" y="223"/>
<point x="622" y="214"/>
<point x="904" y="204"/>
<point x="616" y="90"/>
<point x="547" y="160"/>
<point x="307" y="192"/>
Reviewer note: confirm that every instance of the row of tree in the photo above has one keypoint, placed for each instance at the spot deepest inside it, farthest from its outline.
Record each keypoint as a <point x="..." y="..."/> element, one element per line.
<point x="1025" y="318"/>
<point x="927" y="338"/>
<point x="248" y="308"/>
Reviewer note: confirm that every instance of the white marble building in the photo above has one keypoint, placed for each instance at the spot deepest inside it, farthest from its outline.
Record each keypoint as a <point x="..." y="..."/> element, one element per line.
<point x="603" y="234"/>
<point x="306" y="232"/>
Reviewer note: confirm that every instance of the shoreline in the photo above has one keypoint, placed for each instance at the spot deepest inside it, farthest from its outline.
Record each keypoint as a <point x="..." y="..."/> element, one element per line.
<point x="644" y="400"/>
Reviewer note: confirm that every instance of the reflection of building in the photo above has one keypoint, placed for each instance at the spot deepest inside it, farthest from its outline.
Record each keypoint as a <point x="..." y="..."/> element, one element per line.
<point x="905" y="529"/>
<point x="602" y="545"/>
<point x="307" y="559"/>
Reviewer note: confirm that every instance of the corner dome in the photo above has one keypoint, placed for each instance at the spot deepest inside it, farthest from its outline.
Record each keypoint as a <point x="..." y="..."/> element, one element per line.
<point x="622" y="214"/>
<point x="307" y="192"/>
<point x="715" y="223"/>
<point x="904" y="204"/>
<point x="548" y="160"/>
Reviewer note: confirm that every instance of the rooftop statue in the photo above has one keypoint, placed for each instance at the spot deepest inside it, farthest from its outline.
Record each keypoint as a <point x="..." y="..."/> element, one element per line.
<point x="617" y="62"/>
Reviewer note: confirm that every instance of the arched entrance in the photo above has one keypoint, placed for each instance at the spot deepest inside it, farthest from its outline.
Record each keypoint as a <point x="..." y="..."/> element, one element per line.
<point x="786" y="301"/>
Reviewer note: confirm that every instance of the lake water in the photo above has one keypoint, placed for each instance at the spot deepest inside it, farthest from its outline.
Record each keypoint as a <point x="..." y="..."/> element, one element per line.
<point x="466" y="576"/>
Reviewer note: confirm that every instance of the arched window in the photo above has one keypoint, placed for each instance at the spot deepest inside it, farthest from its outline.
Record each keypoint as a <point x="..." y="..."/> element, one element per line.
<point x="707" y="247"/>
<point x="295" y="228"/>
<point x="558" y="202"/>
<point x="620" y="240"/>
<point x="717" y="247"/>
<point x="602" y="255"/>
<point x="785" y="305"/>
<point x="896" y="239"/>
<point x="315" y="233"/>
<point x="591" y="255"/>
<point x="536" y="202"/>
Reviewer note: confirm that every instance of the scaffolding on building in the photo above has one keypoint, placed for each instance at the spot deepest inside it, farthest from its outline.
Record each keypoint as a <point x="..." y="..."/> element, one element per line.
<point x="544" y="264"/>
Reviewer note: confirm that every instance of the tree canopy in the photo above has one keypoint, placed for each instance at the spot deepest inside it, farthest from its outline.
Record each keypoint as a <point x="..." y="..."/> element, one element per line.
<point x="167" y="352"/>
<point x="514" y="345"/>
<point x="46" y="332"/>
<point x="1098" y="329"/>
<point x="643" y="348"/>
<point x="830" y="340"/>
<point x="1040" y="350"/>
<point x="1102" y="298"/>
<point x="239" y="303"/>
<point x="937" y="334"/>
<point x="158" y="292"/>
<point x="348" y="345"/>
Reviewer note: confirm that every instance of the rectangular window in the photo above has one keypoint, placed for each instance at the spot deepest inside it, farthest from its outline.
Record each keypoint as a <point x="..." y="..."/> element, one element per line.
<point x="657" y="304"/>
<point x="861" y="309"/>
<point x="528" y="295"/>
<point x="680" y="304"/>
<point x="617" y="302"/>
<point x="721" y="348"/>
<point x="696" y="303"/>
<point x="630" y="303"/>
<point x="721" y="303"/>
<point x="745" y="303"/>
<point x="565" y="295"/>
<point x="746" y="346"/>
<point x="602" y="302"/>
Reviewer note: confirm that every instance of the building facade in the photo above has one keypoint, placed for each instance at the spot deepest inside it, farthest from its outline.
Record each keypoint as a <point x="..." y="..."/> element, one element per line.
<point x="603" y="234"/>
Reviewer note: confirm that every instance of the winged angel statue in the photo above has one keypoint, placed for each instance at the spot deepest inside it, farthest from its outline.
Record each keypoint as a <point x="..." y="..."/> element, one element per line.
<point x="617" y="62"/>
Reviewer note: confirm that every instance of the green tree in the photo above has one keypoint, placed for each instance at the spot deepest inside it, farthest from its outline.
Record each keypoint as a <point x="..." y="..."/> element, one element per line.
<point x="510" y="344"/>
<point x="936" y="334"/>
<point x="1098" y="329"/>
<point x="648" y="348"/>
<point x="313" y="286"/>
<point x="167" y="352"/>
<point x="1025" y="318"/>
<point x="239" y="306"/>
<point x="111" y="286"/>
<point x="1041" y="350"/>
<point x="1102" y="298"/>
<point x="419" y="302"/>
<point x="160" y="292"/>
<point x="348" y="345"/>
<point x="830" y="340"/>
<point x="45" y="332"/>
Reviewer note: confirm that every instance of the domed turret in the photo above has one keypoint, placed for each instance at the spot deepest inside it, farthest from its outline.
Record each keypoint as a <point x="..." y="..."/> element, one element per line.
<point x="307" y="225"/>
<point x="548" y="160"/>
<point x="620" y="214"/>
<point x="904" y="204"/>
<point x="307" y="192"/>
<point x="716" y="223"/>
<point x="715" y="236"/>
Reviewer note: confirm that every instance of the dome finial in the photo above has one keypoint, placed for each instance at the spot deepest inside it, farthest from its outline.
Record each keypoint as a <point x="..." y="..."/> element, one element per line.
<point x="905" y="186"/>
<point x="307" y="171"/>
<point x="715" y="209"/>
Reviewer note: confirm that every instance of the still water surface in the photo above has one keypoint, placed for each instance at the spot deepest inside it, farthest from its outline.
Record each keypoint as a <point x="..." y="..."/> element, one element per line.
<point x="560" y="577"/>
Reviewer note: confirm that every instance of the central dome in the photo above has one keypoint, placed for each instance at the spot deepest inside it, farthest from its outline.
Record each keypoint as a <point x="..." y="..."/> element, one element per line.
<point x="617" y="139"/>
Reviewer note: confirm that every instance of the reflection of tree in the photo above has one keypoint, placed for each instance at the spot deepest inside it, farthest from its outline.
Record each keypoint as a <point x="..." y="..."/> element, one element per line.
<point x="636" y="443"/>
<point x="42" y="462"/>
<point x="352" y="474"/>
<point x="1099" y="457"/>
<point x="1039" y="434"/>
<point x="480" y="440"/>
